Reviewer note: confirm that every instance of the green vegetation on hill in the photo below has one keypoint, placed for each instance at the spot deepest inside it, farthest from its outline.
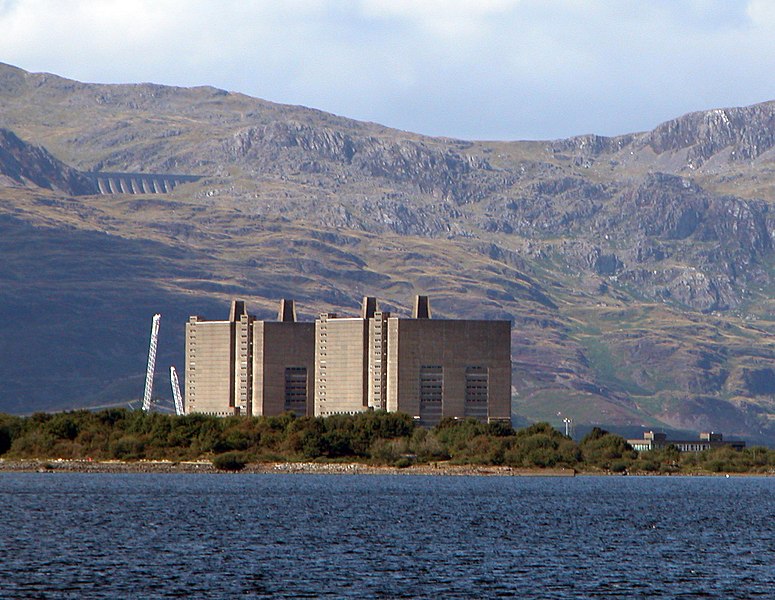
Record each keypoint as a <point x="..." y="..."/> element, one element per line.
<point x="374" y="437"/>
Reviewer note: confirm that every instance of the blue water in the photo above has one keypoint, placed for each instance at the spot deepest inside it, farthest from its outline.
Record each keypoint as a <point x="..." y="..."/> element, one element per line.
<point x="310" y="536"/>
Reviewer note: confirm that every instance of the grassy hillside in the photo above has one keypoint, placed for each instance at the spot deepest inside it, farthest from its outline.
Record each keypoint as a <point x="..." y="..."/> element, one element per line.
<point x="638" y="271"/>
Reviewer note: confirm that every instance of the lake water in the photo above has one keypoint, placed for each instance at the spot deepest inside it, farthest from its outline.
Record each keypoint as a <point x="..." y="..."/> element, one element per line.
<point x="356" y="536"/>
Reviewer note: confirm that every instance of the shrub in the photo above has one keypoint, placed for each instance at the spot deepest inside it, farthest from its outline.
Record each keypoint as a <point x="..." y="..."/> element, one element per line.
<point x="336" y="444"/>
<point x="427" y="446"/>
<point x="500" y="429"/>
<point x="599" y="448"/>
<point x="618" y="466"/>
<point x="128" y="447"/>
<point x="648" y="465"/>
<point x="112" y="416"/>
<point x="34" y="443"/>
<point x="539" y="428"/>
<point x="388" y="451"/>
<point x="541" y="445"/>
<point x="482" y="450"/>
<point x="209" y="438"/>
<point x="230" y="461"/>
<point x="236" y="439"/>
<point x="716" y="465"/>
<point x="312" y="445"/>
<point x="63" y="426"/>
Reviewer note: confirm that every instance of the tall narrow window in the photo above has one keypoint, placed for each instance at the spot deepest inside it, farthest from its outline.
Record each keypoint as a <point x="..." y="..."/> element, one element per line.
<point x="431" y="394"/>
<point x="476" y="393"/>
<point x="296" y="390"/>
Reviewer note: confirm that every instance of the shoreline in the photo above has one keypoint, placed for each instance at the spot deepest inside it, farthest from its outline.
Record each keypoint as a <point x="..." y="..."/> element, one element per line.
<point x="313" y="468"/>
<point x="303" y="468"/>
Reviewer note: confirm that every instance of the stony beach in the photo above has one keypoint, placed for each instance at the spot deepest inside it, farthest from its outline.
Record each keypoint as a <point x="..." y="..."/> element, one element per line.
<point x="205" y="466"/>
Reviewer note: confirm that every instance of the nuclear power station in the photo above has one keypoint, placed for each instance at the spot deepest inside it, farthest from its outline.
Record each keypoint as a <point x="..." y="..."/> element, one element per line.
<point x="428" y="368"/>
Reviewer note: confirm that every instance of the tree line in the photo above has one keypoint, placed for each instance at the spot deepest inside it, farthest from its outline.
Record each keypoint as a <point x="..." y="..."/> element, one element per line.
<point x="377" y="438"/>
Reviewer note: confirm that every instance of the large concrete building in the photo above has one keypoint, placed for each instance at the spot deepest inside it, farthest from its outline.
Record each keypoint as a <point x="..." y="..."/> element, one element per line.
<point x="218" y="364"/>
<point x="444" y="368"/>
<point x="283" y="364"/>
<point x="249" y="367"/>
<point x="350" y="353"/>
<point x="428" y="368"/>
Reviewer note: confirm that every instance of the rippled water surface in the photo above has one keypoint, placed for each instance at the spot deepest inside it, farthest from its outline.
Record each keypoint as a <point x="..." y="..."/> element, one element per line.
<point x="222" y="536"/>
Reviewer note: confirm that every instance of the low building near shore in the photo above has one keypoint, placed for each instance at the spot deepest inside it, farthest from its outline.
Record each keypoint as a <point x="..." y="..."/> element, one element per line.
<point x="655" y="441"/>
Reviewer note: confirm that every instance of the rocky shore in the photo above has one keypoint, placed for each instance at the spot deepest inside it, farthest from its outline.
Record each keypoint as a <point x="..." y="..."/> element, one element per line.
<point x="205" y="466"/>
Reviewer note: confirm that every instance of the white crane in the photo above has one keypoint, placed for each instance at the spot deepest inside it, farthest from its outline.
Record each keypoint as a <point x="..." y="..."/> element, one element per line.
<point x="151" y="363"/>
<point x="176" y="392"/>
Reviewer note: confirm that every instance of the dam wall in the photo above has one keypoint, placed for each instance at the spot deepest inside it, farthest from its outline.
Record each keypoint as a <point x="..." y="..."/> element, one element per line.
<point x="138" y="183"/>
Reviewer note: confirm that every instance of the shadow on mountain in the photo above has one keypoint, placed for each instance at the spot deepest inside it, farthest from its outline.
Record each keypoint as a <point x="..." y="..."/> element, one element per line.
<point x="75" y="316"/>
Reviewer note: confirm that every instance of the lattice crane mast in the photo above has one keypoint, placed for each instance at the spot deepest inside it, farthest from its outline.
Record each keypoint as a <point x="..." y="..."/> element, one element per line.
<point x="151" y="363"/>
<point x="176" y="391"/>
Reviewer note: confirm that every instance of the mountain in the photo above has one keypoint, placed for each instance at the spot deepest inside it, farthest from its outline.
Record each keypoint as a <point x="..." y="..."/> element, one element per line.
<point x="638" y="269"/>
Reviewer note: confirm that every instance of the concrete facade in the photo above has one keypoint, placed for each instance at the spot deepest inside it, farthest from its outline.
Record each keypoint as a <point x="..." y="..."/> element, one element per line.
<point x="427" y="368"/>
<point x="247" y="367"/>
<point x="283" y="367"/>
<point x="243" y="351"/>
<point x="340" y="365"/>
<point x="138" y="183"/>
<point x="377" y="353"/>
<point x="448" y="368"/>
<point x="209" y="376"/>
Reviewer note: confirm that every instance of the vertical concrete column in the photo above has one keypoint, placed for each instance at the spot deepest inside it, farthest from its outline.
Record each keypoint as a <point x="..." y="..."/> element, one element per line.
<point x="422" y="308"/>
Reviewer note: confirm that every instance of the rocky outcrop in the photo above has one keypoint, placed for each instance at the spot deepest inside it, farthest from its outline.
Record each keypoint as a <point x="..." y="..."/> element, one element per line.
<point x="741" y="134"/>
<point x="26" y="165"/>
<point x="662" y="235"/>
<point x="590" y="146"/>
<point x="432" y="169"/>
<point x="706" y="140"/>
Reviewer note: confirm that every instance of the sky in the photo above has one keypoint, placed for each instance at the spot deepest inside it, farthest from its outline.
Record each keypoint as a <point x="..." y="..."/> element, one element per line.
<point x="470" y="69"/>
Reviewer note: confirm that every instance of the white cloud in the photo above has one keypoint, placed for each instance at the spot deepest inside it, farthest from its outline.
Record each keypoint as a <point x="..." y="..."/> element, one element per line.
<point x="447" y="19"/>
<point x="482" y="69"/>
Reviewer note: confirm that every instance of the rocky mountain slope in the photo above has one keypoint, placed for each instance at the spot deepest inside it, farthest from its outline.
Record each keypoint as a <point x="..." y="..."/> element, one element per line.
<point x="29" y="166"/>
<point x="638" y="270"/>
